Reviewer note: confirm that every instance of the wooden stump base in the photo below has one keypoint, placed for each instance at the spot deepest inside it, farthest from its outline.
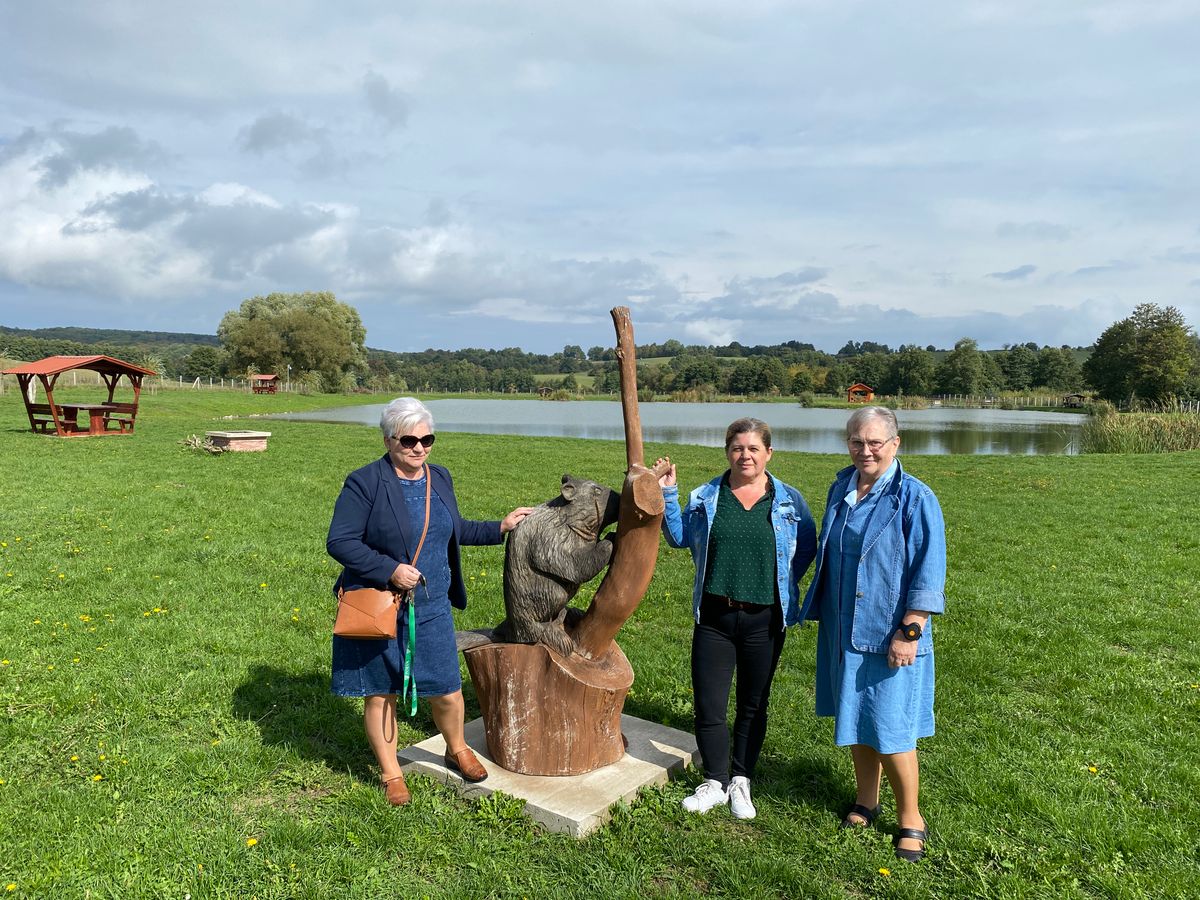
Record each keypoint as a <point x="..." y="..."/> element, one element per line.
<point x="545" y="714"/>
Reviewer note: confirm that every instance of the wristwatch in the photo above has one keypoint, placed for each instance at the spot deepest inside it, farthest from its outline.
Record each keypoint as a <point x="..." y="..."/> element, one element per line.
<point x="910" y="631"/>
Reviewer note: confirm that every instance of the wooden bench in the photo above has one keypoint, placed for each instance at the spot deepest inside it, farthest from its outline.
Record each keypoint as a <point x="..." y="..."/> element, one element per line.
<point x="119" y="416"/>
<point x="41" y="418"/>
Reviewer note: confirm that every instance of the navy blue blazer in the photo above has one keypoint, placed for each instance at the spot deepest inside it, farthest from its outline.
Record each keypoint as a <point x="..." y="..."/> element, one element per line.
<point x="371" y="532"/>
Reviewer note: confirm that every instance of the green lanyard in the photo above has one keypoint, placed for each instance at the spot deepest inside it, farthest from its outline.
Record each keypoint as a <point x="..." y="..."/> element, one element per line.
<point x="409" y="677"/>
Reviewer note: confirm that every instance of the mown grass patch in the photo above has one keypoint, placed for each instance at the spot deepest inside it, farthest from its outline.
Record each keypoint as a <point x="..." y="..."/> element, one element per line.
<point x="168" y="729"/>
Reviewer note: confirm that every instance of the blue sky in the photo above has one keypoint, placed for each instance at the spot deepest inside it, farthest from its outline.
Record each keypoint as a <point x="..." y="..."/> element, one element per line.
<point x="483" y="173"/>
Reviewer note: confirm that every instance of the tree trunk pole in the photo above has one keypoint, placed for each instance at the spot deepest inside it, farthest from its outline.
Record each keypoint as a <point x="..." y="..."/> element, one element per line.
<point x="627" y="360"/>
<point x="636" y="553"/>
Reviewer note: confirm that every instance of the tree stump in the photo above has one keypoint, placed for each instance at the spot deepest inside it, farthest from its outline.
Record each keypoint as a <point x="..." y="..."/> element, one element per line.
<point x="546" y="714"/>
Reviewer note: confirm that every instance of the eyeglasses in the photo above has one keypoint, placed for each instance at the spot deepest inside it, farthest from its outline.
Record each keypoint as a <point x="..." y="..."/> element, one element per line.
<point x="857" y="446"/>
<point x="408" y="441"/>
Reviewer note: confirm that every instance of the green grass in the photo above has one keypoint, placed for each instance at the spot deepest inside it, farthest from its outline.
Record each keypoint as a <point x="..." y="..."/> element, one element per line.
<point x="164" y="625"/>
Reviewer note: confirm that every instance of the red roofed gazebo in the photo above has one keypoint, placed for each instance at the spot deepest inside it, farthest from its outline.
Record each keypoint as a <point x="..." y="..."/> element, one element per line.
<point x="264" y="384"/>
<point x="62" y="418"/>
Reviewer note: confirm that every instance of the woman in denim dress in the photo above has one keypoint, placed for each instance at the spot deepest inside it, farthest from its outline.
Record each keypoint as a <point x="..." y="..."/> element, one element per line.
<point x="377" y="524"/>
<point x="881" y="570"/>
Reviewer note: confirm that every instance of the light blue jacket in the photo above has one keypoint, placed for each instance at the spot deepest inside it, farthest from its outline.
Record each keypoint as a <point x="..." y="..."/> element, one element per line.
<point x="903" y="562"/>
<point x="795" y="538"/>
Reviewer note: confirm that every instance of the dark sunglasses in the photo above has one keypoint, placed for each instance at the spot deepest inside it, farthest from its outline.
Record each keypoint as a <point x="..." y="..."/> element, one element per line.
<point x="408" y="441"/>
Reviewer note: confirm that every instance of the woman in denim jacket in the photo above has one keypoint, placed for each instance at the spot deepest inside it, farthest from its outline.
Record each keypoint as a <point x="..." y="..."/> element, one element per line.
<point x="881" y="571"/>
<point x="752" y="538"/>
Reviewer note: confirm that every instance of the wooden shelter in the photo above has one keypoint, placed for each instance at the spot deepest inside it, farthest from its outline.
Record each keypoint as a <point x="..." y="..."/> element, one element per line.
<point x="264" y="384"/>
<point x="860" y="393"/>
<point x="62" y="419"/>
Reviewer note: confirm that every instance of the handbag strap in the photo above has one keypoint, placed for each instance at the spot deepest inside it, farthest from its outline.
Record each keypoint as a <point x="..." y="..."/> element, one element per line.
<point x="424" y="530"/>
<point x="410" y="678"/>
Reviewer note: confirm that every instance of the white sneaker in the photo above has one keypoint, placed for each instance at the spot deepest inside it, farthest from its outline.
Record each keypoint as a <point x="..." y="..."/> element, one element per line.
<point x="709" y="794"/>
<point x="739" y="798"/>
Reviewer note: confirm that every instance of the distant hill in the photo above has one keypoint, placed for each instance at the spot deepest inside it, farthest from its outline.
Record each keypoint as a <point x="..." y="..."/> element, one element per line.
<point x="114" y="336"/>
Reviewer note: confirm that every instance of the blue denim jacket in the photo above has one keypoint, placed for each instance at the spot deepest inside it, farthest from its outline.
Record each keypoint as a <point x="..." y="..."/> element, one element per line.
<point x="903" y="562"/>
<point x="795" y="538"/>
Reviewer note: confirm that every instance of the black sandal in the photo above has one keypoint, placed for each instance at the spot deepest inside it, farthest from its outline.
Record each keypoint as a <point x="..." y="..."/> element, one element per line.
<point x="868" y="816"/>
<point x="916" y="834"/>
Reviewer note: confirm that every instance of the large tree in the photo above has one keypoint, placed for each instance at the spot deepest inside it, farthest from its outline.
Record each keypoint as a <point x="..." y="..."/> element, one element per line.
<point x="311" y="332"/>
<point x="1150" y="357"/>
<point x="962" y="371"/>
<point x="910" y="371"/>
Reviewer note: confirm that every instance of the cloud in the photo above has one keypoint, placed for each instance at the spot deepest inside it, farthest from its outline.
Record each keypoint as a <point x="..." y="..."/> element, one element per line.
<point x="1181" y="255"/>
<point x="63" y="153"/>
<point x="1037" y="231"/>
<point x="277" y="131"/>
<point x="1017" y="274"/>
<point x="1116" y="265"/>
<point x="388" y="104"/>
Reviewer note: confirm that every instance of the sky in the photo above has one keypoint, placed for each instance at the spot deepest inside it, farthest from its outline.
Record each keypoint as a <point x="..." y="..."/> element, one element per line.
<point x="483" y="173"/>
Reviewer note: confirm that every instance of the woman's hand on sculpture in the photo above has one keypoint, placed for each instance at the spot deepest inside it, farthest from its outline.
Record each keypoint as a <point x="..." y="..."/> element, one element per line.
<point x="667" y="480"/>
<point x="513" y="519"/>
<point x="406" y="577"/>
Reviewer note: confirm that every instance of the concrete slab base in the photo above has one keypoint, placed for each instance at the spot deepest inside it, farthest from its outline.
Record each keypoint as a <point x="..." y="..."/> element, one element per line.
<point x="573" y="804"/>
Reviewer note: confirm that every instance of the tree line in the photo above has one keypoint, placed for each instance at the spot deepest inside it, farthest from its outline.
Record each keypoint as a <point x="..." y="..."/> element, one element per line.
<point x="317" y="341"/>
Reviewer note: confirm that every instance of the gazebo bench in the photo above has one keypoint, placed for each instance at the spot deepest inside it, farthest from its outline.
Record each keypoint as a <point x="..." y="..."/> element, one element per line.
<point x="42" y="417"/>
<point x="119" y="415"/>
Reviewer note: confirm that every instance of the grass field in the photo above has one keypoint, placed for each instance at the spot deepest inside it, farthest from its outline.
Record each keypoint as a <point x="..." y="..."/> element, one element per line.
<point x="168" y="729"/>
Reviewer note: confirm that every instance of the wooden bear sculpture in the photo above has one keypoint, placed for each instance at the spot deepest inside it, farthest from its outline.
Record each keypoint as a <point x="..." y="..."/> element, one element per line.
<point x="554" y="550"/>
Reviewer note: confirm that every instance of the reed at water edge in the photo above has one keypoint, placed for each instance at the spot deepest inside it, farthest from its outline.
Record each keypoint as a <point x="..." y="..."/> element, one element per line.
<point x="1108" y="431"/>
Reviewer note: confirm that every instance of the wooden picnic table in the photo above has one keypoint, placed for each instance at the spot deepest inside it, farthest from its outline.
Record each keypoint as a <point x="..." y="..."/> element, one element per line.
<point x="95" y="411"/>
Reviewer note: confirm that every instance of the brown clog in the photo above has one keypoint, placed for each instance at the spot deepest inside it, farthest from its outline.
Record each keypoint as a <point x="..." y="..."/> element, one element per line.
<point x="396" y="790"/>
<point x="465" y="764"/>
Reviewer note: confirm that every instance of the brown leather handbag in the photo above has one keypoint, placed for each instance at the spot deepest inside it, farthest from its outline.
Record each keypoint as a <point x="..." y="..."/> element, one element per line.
<point x="370" y="613"/>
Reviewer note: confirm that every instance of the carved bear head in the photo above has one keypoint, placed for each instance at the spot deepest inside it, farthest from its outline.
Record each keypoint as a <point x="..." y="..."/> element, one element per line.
<point x="588" y="507"/>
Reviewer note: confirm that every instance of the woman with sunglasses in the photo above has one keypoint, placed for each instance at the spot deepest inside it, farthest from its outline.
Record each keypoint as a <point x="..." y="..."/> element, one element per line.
<point x="881" y="572"/>
<point x="378" y="523"/>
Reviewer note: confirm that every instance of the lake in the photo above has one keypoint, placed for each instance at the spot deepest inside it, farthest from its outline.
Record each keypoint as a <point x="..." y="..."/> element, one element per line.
<point x="925" y="431"/>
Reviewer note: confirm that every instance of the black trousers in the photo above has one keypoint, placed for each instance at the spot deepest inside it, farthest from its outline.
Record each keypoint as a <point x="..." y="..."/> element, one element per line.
<point x="725" y="639"/>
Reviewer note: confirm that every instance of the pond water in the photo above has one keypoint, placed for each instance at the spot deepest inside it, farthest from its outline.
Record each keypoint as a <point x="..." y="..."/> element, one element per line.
<point x="926" y="431"/>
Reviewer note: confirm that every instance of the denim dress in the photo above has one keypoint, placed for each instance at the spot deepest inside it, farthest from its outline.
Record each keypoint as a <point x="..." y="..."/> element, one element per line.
<point x="363" y="668"/>
<point x="872" y="704"/>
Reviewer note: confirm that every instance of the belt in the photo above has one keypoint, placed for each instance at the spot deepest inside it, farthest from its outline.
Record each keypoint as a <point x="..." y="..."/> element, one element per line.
<point x="737" y="604"/>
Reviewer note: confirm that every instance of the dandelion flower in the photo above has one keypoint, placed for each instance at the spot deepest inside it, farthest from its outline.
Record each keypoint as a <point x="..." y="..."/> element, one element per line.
<point x="61" y="575"/>
<point x="50" y="668"/>
<point x="250" y="842"/>
<point x="295" y="609"/>
<point x="4" y="662"/>
<point x="885" y="872"/>
<point x="74" y="759"/>
<point x="103" y="757"/>
<point x="1093" y="769"/>
<point x="10" y="887"/>
<point x="263" y="585"/>
<point x="37" y="621"/>
<point x="295" y="618"/>
<point x="97" y="777"/>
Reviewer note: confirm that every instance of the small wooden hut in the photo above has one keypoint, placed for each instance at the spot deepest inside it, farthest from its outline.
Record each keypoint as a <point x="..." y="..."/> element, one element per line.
<point x="859" y="393"/>
<point x="264" y="384"/>
<point x="62" y="419"/>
